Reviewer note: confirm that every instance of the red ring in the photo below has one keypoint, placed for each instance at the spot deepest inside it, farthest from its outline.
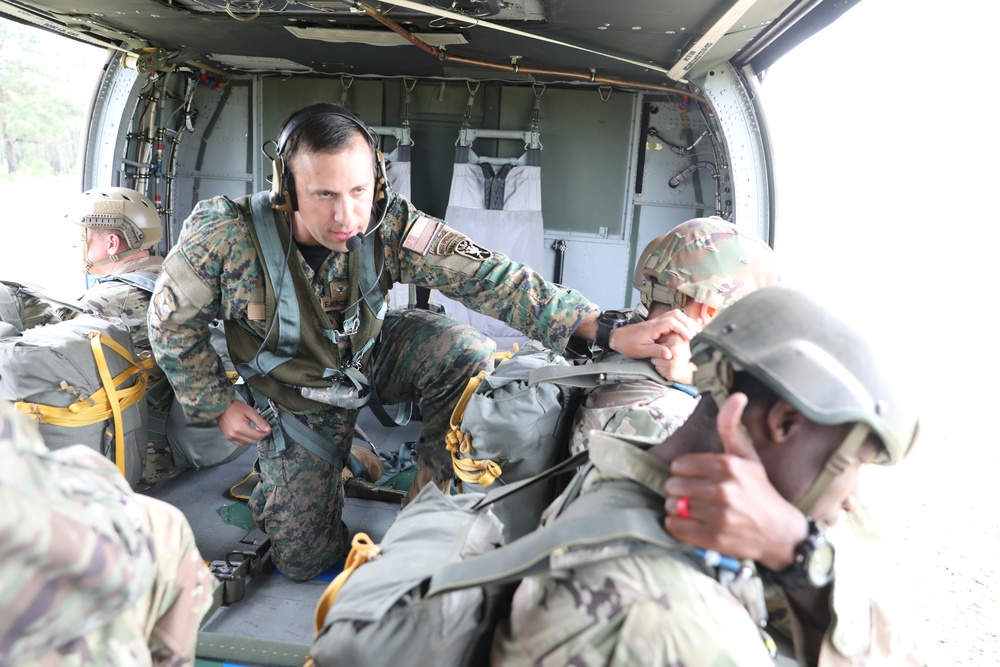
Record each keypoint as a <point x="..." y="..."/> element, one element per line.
<point x="683" y="505"/>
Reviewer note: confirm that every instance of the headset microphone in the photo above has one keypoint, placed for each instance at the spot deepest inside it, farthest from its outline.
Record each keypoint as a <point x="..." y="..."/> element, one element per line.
<point x="355" y="242"/>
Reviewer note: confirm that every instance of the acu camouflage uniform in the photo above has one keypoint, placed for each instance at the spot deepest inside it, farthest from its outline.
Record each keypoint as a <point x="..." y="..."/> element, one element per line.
<point x="214" y="272"/>
<point x="667" y="608"/>
<point x="90" y="574"/>
<point x="114" y="298"/>
<point x="706" y="260"/>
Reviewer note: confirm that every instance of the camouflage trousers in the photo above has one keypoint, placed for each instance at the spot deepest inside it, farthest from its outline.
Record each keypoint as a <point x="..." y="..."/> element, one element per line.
<point x="422" y="357"/>
<point x="161" y="628"/>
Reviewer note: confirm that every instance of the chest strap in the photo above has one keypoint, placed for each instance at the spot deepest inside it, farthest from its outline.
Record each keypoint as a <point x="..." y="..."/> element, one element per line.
<point x="601" y="373"/>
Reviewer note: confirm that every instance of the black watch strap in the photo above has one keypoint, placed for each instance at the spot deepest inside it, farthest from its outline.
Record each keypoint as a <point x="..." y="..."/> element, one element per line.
<point x="813" y="565"/>
<point x="607" y="322"/>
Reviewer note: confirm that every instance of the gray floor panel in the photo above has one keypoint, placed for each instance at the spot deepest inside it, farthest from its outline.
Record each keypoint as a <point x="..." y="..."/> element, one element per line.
<point x="273" y="607"/>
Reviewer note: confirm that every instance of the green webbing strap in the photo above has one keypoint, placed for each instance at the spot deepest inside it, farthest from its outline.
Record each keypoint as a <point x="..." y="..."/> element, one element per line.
<point x="531" y="554"/>
<point x="287" y="308"/>
<point x="250" y="651"/>
<point x="144" y="281"/>
<point x="311" y="440"/>
<point x="500" y="492"/>
<point x="375" y="298"/>
<point x="402" y="417"/>
<point x="283" y="422"/>
<point x="589" y="376"/>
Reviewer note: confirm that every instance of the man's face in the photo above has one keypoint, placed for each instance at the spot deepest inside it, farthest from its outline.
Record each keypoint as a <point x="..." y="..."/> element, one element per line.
<point x="842" y="494"/>
<point x="794" y="468"/>
<point x="95" y="248"/>
<point x="335" y="193"/>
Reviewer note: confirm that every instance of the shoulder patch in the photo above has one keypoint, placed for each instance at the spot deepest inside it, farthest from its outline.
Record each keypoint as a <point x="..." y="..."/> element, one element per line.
<point x="421" y="233"/>
<point x="164" y="304"/>
<point x="457" y="243"/>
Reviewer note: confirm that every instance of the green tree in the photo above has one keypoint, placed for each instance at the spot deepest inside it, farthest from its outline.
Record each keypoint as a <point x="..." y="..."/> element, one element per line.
<point x="45" y="88"/>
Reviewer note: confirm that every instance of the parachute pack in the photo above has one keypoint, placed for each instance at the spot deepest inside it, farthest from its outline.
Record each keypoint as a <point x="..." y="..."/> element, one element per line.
<point x="80" y="381"/>
<point x="443" y="577"/>
<point x="515" y="423"/>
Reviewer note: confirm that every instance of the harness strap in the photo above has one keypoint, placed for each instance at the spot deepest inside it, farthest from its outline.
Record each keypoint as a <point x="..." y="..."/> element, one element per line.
<point x="590" y="376"/>
<point x="286" y="308"/>
<point x="284" y="423"/>
<point x="533" y="553"/>
<point x="375" y="298"/>
<point x="143" y="281"/>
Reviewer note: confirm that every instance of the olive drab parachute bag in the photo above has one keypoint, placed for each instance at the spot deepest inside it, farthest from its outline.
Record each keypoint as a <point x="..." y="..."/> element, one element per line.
<point x="377" y="605"/>
<point x="434" y="590"/>
<point x="505" y="429"/>
<point x="192" y="445"/>
<point x="80" y="381"/>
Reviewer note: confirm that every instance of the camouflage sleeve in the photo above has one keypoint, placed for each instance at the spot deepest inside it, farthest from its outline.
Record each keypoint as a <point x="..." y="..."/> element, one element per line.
<point x="186" y="300"/>
<point x="430" y="254"/>
<point x="115" y="299"/>
<point x="75" y="549"/>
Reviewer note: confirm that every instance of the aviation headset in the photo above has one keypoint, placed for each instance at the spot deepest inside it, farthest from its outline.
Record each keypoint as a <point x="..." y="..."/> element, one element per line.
<point x="283" y="196"/>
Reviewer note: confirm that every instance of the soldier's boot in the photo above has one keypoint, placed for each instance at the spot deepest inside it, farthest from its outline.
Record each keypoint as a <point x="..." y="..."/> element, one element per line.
<point x="369" y="459"/>
<point x="422" y="478"/>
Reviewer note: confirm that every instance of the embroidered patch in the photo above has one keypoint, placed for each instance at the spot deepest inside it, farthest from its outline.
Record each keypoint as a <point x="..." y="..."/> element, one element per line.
<point x="164" y="304"/>
<point x="418" y="239"/>
<point x="456" y="243"/>
<point x="337" y="299"/>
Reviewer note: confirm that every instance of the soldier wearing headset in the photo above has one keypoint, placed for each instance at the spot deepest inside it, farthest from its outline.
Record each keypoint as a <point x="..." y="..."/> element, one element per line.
<point x="300" y="276"/>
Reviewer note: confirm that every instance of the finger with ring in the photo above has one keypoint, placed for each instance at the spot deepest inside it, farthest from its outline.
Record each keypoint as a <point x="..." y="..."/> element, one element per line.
<point x="683" y="507"/>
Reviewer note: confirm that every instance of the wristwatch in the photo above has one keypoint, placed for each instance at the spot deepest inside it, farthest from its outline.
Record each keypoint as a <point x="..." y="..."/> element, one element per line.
<point x="813" y="565"/>
<point x="608" y="321"/>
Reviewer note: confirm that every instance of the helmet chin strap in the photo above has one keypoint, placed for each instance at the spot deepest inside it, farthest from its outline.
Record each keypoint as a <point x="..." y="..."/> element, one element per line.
<point x="88" y="265"/>
<point x="715" y="377"/>
<point x="838" y="463"/>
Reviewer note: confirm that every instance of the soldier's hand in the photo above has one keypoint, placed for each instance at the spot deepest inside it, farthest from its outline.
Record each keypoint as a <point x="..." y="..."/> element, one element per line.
<point x="641" y="340"/>
<point x="678" y="367"/>
<point x="241" y="425"/>
<point x="732" y="507"/>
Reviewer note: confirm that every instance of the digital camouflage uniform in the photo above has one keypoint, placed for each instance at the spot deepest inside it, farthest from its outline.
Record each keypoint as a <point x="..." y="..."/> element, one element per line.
<point x="658" y="609"/>
<point x="114" y="298"/>
<point x="90" y="574"/>
<point x="214" y="272"/>
<point x="707" y="260"/>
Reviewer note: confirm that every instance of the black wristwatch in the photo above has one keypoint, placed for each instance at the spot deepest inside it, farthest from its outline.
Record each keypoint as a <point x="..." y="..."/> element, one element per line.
<point x="813" y="566"/>
<point x="608" y="321"/>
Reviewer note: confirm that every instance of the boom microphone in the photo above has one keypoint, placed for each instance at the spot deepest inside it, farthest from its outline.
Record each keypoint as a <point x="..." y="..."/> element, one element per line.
<point x="355" y="242"/>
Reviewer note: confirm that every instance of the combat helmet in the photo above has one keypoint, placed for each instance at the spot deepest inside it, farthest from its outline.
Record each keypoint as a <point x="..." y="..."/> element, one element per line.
<point x="813" y="360"/>
<point x="125" y="211"/>
<point x="706" y="259"/>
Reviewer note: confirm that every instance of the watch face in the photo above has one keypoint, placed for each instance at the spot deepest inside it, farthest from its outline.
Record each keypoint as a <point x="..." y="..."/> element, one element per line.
<point x="819" y="569"/>
<point x="614" y="317"/>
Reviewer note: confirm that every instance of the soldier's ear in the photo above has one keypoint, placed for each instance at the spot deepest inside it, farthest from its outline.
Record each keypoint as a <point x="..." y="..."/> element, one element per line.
<point x="783" y="422"/>
<point x="706" y="313"/>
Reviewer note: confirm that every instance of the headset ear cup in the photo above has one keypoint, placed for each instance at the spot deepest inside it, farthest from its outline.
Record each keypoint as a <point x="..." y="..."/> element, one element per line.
<point x="280" y="199"/>
<point x="381" y="179"/>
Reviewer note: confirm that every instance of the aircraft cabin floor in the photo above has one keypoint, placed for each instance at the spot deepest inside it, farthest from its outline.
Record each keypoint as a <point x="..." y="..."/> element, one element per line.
<point x="275" y="614"/>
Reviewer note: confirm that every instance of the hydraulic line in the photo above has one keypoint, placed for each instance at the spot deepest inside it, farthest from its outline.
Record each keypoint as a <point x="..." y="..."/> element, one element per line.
<point x="513" y="68"/>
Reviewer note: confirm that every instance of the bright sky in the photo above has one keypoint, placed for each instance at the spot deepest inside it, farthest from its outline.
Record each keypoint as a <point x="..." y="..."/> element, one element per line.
<point x="885" y="168"/>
